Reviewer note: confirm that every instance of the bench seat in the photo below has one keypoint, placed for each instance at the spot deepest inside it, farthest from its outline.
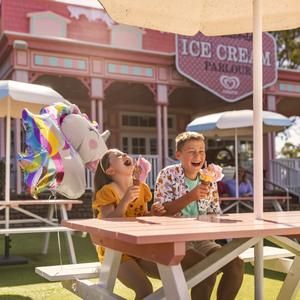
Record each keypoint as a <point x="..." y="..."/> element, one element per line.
<point x="34" y="229"/>
<point x="275" y="259"/>
<point x="69" y="272"/>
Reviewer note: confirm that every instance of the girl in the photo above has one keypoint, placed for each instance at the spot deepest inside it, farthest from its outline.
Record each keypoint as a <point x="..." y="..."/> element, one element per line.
<point x="117" y="196"/>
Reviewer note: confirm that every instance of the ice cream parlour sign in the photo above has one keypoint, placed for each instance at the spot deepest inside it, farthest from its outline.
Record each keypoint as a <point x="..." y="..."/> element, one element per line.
<point x="223" y="64"/>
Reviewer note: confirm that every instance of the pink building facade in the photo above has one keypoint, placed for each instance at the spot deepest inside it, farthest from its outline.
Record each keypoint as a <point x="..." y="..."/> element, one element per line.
<point x="125" y="78"/>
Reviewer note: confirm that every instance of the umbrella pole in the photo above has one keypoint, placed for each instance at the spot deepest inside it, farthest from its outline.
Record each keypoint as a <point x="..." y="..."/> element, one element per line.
<point x="257" y="109"/>
<point x="7" y="177"/>
<point x="7" y="168"/>
<point x="258" y="141"/>
<point x="237" y="192"/>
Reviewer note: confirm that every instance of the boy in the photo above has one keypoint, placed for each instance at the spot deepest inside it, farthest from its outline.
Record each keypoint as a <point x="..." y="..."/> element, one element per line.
<point x="179" y="189"/>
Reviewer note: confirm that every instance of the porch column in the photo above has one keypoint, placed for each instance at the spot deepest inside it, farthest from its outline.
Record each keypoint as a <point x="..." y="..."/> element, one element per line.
<point x="2" y="138"/>
<point x="18" y="75"/>
<point x="162" y="133"/>
<point x="271" y="106"/>
<point x="97" y="94"/>
<point x="93" y="110"/>
<point x="159" y="136"/>
<point x="100" y="114"/>
<point x="165" y="134"/>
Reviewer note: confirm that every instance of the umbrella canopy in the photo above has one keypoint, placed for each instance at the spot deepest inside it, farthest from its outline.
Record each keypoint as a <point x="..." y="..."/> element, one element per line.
<point x="226" y="123"/>
<point x="17" y="95"/>
<point x="211" y="17"/>
<point x="215" y="17"/>
<point x="14" y="96"/>
<point x="234" y="123"/>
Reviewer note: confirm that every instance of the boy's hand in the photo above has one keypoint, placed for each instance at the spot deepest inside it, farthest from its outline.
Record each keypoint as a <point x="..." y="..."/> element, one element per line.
<point x="157" y="209"/>
<point x="199" y="192"/>
<point x="131" y="194"/>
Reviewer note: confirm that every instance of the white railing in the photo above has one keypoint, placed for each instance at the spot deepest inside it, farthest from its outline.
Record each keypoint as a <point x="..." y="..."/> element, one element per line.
<point x="89" y="178"/>
<point x="153" y="159"/>
<point x="290" y="162"/>
<point x="286" y="173"/>
<point x="171" y="161"/>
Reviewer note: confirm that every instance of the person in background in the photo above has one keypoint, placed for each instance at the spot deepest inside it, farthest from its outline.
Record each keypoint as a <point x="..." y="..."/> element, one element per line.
<point x="222" y="188"/>
<point x="245" y="186"/>
<point x="118" y="194"/>
<point x="179" y="189"/>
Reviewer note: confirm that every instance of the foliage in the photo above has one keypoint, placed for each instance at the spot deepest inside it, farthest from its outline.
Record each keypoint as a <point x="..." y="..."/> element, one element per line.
<point x="290" y="150"/>
<point x="288" y="48"/>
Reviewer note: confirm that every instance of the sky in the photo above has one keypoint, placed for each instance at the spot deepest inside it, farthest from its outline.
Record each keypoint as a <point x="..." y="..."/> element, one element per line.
<point x="88" y="3"/>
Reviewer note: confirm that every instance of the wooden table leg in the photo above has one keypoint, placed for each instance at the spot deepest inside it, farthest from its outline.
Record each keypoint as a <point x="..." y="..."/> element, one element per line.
<point x="174" y="283"/>
<point x="292" y="282"/>
<point x="109" y="269"/>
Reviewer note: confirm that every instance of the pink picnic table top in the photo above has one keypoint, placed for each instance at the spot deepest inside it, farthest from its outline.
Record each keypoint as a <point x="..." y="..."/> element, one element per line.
<point x="162" y="239"/>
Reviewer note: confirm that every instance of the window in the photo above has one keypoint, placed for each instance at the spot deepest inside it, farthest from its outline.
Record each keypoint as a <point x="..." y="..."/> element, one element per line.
<point x="153" y="145"/>
<point x="171" y="148"/>
<point x="125" y="145"/>
<point x="47" y="23"/>
<point x="145" y="120"/>
<point x="126" y="36"/>
<point x="138" y="146"/>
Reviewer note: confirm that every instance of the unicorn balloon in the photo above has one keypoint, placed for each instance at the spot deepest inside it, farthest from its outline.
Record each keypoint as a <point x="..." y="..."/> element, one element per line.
<point x="61" y="142"/>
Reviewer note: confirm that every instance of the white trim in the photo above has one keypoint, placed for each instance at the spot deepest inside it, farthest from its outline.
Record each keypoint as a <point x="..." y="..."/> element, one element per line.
<point x="47" y="14"/>
<point x="99" y="45"/>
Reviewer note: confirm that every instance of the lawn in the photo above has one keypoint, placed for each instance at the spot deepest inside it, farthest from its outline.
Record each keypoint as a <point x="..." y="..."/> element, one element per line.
<point x="20" y="282"/>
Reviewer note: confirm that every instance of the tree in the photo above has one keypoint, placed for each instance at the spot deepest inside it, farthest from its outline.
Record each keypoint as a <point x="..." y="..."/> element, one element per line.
<point x="288" y="48"/>
<point x="290" y="150"/>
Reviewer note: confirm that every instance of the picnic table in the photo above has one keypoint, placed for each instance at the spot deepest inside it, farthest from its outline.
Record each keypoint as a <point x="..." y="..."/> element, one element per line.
<point x="50" y="223"/>
<point x="247" y="201"/>
<point x="163" y="241"/>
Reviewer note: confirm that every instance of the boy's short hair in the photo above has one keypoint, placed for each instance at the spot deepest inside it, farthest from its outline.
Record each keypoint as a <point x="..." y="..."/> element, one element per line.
<point x="186" y="136"/>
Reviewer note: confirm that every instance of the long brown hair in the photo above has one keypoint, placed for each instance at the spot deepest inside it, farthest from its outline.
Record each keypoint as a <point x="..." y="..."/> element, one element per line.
<point x="101" y="178"/>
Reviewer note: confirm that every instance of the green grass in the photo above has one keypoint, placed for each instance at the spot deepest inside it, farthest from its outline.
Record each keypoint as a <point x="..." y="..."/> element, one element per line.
<point x="20" y="282"/>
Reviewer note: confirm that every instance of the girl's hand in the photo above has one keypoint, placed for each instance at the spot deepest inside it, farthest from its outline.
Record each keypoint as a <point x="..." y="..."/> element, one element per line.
<point x="131" y="194"/>
<point x="157" y="209"/>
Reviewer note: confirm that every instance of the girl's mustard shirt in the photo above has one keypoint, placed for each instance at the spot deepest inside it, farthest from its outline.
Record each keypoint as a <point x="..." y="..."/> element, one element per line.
<point x="108" y="195"/>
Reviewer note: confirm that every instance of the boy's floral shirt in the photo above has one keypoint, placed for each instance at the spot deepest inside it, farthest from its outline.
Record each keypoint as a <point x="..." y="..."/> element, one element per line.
<point x="170" y="185"/>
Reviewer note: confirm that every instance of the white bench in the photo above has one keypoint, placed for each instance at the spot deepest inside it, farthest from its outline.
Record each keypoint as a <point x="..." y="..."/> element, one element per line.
<point x="69" y="272"/>
<point x="74" y="277"/>
<point x="50" y="222"/>
<point x="34" y="229"/>
<point x="275" y="259"/>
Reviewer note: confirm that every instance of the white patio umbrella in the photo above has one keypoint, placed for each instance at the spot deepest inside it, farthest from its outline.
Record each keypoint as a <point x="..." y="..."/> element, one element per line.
<point x="14" y="96"/>
<point x="235" y="123"/>
<point x="215" y="17"/>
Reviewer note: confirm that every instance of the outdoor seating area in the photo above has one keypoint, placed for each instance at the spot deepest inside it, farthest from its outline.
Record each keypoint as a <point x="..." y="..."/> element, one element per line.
<point x="21" y="280"/>
<point x="149" y="150"/>
<point x="57" y="211"/>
